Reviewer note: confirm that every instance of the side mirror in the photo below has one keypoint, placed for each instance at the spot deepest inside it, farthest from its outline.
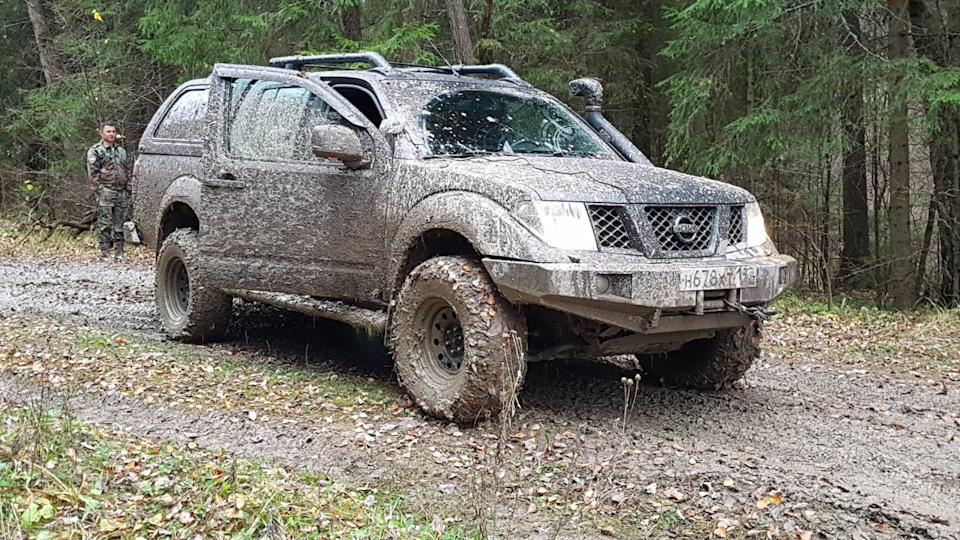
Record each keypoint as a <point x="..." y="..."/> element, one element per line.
<point x="338" y="142"/>
<point x="392" y="126"/>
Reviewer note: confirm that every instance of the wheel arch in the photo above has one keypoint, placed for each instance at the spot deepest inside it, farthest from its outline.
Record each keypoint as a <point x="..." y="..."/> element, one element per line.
<point x="459" y="223"/>
<point x="427" y="245"/>
<point x="178" y="215"/>
<point x="178" y="208"/>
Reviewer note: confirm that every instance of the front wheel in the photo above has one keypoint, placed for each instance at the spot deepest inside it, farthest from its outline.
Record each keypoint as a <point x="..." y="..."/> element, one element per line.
<point x="457" y="343"/>
<point x="707" y="364"/>
<point x="188" y="309"/>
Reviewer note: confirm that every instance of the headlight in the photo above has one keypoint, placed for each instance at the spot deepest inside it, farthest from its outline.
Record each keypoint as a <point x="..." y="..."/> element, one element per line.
<point x="563" y="225"/>
<point x="756" y="230"/>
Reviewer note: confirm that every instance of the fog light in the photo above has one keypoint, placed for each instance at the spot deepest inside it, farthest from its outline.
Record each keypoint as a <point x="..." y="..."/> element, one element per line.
<point x="603" y="284"/>
<point x="784" y="275"/>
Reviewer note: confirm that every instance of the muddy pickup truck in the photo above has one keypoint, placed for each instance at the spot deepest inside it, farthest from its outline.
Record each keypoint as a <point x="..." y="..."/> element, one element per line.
<point x="476" y="221"/>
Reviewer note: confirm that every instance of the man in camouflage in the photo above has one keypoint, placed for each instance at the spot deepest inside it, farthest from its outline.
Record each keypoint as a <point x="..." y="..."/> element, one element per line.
<point x="109" y="170"/>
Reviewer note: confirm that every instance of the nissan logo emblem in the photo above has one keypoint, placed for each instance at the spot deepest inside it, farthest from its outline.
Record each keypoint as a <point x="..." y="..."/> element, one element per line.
<point x="684" y="229"/>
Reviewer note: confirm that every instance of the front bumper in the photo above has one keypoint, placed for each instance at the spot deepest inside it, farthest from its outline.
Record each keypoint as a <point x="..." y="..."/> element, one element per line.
<point x="635" y="295"/>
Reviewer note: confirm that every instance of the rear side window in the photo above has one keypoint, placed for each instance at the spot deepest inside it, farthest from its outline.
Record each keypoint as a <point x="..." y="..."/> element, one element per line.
<point x="184" y="120"/>
<point x="273" y="121"/>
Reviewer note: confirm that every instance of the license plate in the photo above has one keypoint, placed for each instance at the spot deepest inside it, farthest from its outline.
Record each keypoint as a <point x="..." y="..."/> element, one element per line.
<point x="719" y="277"/>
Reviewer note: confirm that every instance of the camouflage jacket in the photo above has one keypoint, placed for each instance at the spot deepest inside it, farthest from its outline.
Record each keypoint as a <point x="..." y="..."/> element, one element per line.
<point x="108" y="165"/>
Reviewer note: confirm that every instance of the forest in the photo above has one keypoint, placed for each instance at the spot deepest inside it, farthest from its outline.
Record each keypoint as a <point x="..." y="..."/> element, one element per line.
<point x="842" y="117"/>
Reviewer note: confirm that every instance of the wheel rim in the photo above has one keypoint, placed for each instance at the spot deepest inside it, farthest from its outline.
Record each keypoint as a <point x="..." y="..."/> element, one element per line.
<point x="177" y="281"/>
<point x="443" y="342"/>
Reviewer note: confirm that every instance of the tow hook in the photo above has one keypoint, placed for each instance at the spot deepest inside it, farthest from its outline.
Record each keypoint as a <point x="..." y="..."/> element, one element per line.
<point x="759" y="313"/>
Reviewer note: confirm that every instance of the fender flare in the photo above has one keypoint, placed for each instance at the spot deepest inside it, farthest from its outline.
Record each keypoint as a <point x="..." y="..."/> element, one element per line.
<point x="487" y="226"/>
<point x="185" y="189"/>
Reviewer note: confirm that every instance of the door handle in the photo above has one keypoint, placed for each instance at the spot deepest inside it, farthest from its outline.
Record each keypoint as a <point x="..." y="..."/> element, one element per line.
<point x="226" y="179"/>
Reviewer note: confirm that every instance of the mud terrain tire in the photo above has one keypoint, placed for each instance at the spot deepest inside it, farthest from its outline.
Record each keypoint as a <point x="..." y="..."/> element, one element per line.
<point x="189" y="311"/>
<point x="455" y="340"/>
<point x="706" y="364"/>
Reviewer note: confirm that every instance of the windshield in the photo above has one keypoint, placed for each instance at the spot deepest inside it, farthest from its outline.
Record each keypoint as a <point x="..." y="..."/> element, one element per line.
<point x="470" y="122"/>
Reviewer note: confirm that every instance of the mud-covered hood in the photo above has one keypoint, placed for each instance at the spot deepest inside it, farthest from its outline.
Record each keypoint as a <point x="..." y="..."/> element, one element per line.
<point x="590" y="180"/>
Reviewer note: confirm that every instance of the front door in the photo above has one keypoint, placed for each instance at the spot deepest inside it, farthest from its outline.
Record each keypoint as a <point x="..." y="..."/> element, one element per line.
<point x="274" y="216"/>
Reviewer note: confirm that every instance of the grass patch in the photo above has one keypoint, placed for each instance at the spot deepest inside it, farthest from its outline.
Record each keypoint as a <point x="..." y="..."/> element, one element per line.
<point x="61" y="478"/>
<point x="855" y="306"/>
<point x="926" y="341"/>
<point x="30" y="240"/>
<point x="163" y="372"/>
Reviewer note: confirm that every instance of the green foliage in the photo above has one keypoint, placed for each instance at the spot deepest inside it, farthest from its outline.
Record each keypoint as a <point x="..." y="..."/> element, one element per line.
<point x="14" y="33"/>
<point x="99" y="62"/>
<point x="195" y="34"/>
<point x="762" y="83"/>
<point x="62" y="478"/>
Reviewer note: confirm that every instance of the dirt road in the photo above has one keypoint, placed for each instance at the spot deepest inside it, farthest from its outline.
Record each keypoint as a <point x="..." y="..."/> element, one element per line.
<point x="845" y="451"/>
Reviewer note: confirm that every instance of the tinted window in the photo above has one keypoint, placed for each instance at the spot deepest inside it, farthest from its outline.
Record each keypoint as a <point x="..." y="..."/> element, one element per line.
<point x="184" y="120"/>
<point x="273" y="120"/>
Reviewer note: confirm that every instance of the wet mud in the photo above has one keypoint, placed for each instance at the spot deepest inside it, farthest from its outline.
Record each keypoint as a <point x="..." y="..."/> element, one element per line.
<point x="876" y="454"/>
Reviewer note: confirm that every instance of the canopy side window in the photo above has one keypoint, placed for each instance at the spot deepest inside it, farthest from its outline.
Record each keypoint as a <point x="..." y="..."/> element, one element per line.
<point x="184" y="119"/>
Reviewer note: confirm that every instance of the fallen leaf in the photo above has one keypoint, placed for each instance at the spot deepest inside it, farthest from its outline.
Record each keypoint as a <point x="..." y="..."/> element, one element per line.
<point x="674" y="493"/>
<point x="768" y="500"/>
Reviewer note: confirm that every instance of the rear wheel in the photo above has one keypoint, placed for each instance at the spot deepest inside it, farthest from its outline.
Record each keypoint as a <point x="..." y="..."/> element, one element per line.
<point x="188" y="309"/>
<point x="708" y="364"/>
<point x="458" y="345"/>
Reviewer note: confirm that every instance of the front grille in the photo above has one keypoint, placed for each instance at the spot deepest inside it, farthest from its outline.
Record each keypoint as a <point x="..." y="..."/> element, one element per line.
<point x="682" y="228"/>
<point x="735" y="233"/>
<point x="609" y="224"/>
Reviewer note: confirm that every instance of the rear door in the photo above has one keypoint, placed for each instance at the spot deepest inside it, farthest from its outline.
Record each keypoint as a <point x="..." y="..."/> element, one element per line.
<point x="275" y="217"/>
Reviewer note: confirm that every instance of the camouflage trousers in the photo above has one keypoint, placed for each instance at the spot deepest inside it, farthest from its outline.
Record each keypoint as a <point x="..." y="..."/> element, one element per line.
<point x="113" y="208"/>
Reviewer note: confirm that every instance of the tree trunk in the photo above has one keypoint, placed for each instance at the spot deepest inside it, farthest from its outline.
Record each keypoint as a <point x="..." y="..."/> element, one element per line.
<point x="825" y="230"/>
<point x="856" y="236"/>
<point x="414" y="15"/>
<point x="462" y="45"/>
<point x="925" y="244"/>
<point x="945" y="157"/>
<point x="48" y="57"/>
<point x="351" y="22"/>
<point x="932" y="21"/>
<point x="879" y="190"/>
<point x="901" y="246"/>
<point x="486" y="30"/>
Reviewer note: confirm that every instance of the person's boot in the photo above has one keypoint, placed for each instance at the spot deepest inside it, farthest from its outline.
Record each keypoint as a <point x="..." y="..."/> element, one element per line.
<point x="119" y="247"/>
<point x="105" y="253"/>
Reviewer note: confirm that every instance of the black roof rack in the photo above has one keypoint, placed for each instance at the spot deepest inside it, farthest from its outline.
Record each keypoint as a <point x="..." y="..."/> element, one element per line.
<point x="464" y="69"/>
<point x="379" y="62"/>
<point x="299" y="62"/>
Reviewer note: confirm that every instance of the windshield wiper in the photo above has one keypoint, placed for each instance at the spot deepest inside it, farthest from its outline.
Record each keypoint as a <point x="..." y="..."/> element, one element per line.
<point x="466" y="154"/>
<point x="561" y="153"/>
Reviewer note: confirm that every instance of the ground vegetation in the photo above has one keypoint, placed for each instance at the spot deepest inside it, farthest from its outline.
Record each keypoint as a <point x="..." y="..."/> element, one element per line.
<point x="848" y="426"/>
